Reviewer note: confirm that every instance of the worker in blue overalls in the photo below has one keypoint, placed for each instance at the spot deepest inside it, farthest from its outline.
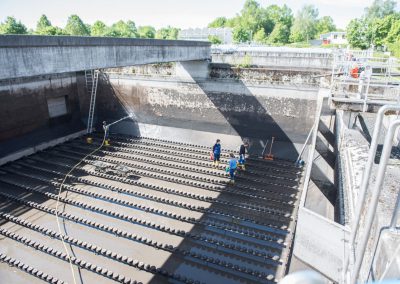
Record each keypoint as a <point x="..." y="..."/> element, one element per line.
<point x="216" y="153"/>
<point x="232" y="165"/>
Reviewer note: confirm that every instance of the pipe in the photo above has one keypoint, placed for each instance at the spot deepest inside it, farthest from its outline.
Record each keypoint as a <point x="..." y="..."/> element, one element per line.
<point x="106" y="127"/>
<point x="366" y="177"/>
<point x="305" y="143"/>
<point x="387" y="148"/>
<point x="265" y="147"/>
<point x="119" y="120"/>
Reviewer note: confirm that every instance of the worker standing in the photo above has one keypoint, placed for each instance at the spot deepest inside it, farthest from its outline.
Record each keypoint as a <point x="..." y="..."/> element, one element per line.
<point x="354" y="72"/>
<point x="365" y="77"/>
<point x="216" y="153"/>
<point x="232" y="165"/>
<point x="242" y="155"/>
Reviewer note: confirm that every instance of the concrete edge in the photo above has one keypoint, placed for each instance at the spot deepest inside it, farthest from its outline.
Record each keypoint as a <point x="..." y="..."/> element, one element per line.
<point x="46" y="41"/>
<point x="39" y="147"/>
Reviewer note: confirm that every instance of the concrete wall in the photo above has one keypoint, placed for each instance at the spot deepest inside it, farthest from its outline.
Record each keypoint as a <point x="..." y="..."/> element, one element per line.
<point x="23" y="107"/>
<point x="303" y="59"/>
<point x="23" y="56"/>
<point x="216" y="104"/>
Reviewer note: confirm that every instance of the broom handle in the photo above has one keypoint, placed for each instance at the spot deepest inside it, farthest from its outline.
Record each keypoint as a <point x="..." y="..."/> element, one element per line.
<point x="270" y="148"/>
<point x="265" y="148"/>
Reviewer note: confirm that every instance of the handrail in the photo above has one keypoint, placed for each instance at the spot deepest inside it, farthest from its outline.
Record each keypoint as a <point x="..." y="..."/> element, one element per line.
<point x="366" y="177"/>
<point x="305" y="143"/>
<point x="387" y="148"/>
<point x="318" y="110"/>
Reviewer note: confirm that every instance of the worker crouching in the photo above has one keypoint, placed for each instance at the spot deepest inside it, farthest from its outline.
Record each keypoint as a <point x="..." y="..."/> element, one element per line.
<point x="231" y="168"/>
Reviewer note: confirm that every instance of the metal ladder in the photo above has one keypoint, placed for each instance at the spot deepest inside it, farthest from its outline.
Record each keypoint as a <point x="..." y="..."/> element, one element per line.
<point x="91" y="79"/>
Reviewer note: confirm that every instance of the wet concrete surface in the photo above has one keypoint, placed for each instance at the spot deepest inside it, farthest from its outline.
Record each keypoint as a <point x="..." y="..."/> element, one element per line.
<point x="171" y="218"/>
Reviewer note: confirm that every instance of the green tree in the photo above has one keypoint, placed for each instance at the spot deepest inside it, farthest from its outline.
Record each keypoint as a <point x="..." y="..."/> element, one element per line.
<point x="75" y="26"/>
<point x="219" y="22"/>
<point x="43" y="23"/>
<point x="394" y="48"/>
<point x="325" y="25"/>
<point x="173" y="33"/>
<point x="281" y="15"/>
<point x="99" y="29"/>
<point x="146" y="32"/>
<point x="260" y="36"/>
<point x="357" y="34"/>
<point x="304" y="26"/>
<point x="44" y="27"/>
<point x="394" y="33"/>
<point x="214" y="39"/>
<point x="380" y="9"/>
<point x="167" y="33"/>
<point x="233" y="22"/>
<point x="253" y="18"/>
<point x="379" y="29"/>
<point x="241" y="34"/>
<point x="280" y="34"/>
<point x="162" y="33"/>
<point x="123" y="29"/>
<point x="11" y="26"/>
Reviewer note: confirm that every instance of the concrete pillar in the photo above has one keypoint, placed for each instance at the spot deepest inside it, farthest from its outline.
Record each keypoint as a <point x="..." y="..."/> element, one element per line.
<point x="192" y="70"/>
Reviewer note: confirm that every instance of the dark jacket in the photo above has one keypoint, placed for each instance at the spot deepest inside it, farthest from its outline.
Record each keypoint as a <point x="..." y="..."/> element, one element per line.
<point x="217" y="149"/>
<point x="242" y="150"/>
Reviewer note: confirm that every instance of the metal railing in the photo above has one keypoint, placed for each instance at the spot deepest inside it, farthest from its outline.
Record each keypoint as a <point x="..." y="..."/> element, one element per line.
<point x="361" y="250"/>
<point x="359" y="255"/>
<point x="366" y="177"/>
<point x="383" y="72"/>
<point x="304" y="145"/>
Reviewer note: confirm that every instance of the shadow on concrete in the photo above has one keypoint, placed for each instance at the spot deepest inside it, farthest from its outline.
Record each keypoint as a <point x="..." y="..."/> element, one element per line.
<point x="364" y="128"/>
<point x="322" y="197"/>
<point x="117" y="108"/>
<point x="39" y="136"/>
<point x="252" y="122"/>
<point x="257" y="126"/>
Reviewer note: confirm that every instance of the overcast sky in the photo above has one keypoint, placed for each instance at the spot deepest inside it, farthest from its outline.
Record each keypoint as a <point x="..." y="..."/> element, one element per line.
<point x="160" y="13"/>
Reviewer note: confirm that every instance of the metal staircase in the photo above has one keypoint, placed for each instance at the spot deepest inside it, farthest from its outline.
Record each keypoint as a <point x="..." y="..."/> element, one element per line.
<point x="91" y="79"/>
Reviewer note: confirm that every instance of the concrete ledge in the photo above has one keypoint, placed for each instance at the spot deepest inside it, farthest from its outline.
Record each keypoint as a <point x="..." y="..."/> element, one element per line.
<point x="37" y="40"/>
<point x="39" y="147"/>
<point x="351" y="104"/>
<point x="25" y="56"/>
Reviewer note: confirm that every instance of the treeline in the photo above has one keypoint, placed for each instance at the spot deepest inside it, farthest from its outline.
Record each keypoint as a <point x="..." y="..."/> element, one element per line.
<point x="75" y="26"/>
<point x="378" y="27"/>
<point x="275" y="24"/>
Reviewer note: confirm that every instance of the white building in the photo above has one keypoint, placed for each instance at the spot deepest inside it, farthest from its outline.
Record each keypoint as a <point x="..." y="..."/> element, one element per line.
<point x="224" y="34"/>
<point x="334" y="38"/>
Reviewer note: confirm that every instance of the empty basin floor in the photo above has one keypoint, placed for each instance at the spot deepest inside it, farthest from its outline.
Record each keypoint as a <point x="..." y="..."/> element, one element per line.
<point x="144" y="210"/>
